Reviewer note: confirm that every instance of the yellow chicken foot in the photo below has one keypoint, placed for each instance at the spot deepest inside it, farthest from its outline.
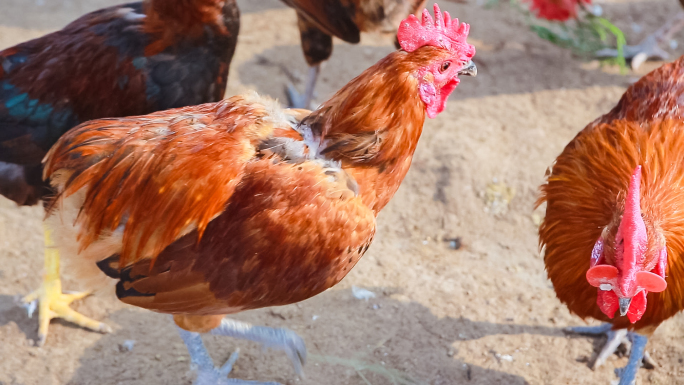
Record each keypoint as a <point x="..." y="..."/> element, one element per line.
<point x="50" y="300"/>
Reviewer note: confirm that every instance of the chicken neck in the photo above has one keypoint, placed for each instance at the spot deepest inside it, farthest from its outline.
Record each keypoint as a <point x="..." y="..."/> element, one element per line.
<point x="372" y="126"/>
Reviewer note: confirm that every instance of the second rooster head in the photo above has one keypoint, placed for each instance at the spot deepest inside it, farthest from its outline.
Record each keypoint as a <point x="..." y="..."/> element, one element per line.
<point x="633" y="269"/>
<point x="438" y="77"/>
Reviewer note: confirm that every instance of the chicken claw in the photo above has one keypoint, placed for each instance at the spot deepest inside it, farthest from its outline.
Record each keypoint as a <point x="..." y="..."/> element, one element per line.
<point x="208" y="374"/>
<point x="280" y="338"/>
<point x="636" y="344"/>
<point x="51" y="302"/>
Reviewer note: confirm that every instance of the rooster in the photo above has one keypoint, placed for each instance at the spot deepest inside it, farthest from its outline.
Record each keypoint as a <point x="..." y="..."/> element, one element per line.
<point x="214" y="209"/>
<point x="320" y="20"/>
<point x="124" y="60"/>
<point x="614" y="233"/>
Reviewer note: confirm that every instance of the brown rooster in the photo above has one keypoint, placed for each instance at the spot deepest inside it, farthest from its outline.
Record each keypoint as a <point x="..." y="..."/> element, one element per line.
<point x="614" y="230"/>
<point x="219" y="208"/>
<point x="320" y="20"/>
<point x="124" y="60"/>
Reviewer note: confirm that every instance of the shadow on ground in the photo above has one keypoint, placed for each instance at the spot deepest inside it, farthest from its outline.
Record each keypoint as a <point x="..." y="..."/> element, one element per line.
<point x="389" y="342"/>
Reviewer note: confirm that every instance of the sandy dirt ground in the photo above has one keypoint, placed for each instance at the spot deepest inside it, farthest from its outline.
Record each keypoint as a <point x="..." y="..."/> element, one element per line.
<point x="483" y="314"/>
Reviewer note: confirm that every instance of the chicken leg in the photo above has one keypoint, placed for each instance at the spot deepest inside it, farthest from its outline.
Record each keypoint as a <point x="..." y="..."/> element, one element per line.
<point x="50" y="300"/>
<point x="296" y="100"/>
<point x="650" y="46"/>
<point x="208" y="374"/>
<point x="637" y="356"/>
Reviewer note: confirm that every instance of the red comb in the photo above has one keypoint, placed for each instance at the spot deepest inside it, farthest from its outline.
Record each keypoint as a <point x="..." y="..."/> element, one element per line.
<point x="442" y="32"/>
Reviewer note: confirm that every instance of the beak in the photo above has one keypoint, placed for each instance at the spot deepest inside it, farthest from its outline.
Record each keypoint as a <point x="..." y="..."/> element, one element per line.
<point x="470" y="69"/>
<point x="624" y="305"/>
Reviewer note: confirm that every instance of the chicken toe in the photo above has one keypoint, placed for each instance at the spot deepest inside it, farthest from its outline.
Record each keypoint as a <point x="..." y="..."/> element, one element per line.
<point x="635" y="343"/>
<point x="280" y="338"/>
<point x="52" y="302"/>
<point x="207" y="373"/>
<point x="615" y="339"/>
<point x="636" y="356"/>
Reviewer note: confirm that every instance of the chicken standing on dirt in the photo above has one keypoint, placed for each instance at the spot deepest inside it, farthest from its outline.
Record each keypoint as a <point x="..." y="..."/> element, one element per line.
<point x="125" y="60"/>
<point x="219" y="208"/>
<point x="320" y="20"/>
<point x="614" y="230"/>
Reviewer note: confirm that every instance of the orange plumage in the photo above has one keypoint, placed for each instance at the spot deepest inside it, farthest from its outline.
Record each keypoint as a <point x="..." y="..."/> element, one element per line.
<point x="213" y="209"/>
<point x="586" y="188"/>
<point x="179" y="179"/>
<point x="586" y="194"/>
<point x="153" y="170"/>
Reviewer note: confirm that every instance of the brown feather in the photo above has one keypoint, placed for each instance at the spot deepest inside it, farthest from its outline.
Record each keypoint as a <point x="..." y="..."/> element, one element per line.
<point x="170" y="20"/>
<point x="372" y="125"/>
<point x="269" y="247"/>
<point x="143" y="171"/>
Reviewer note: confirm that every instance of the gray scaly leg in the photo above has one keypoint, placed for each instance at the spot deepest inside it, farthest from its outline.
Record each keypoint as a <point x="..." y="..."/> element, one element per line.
<point x="636" y="344"/>
<point x="283" y="339"/>
<point x="297" y="100"/>
<point x="207" y="373"/>
<point x="636" y="355"/>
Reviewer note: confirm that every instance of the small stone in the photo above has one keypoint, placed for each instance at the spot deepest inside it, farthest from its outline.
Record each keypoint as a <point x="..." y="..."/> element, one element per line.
<point x="454" y="243"/>
<point x="127" y="346"/>
<point x="582" y="359"/>
<point x="360" y="293"/>
<point x="450" y="353"/>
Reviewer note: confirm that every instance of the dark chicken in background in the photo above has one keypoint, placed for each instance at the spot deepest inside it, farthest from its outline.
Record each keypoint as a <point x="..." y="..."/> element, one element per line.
<point x="125" y="60"/>
<point x="614" y="229"/>
<point x="214" y="209"/>
<point x="320" y="20"/>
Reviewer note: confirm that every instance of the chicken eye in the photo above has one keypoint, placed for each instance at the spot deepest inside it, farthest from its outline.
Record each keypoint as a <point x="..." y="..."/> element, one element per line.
<point x="445" y="66"/>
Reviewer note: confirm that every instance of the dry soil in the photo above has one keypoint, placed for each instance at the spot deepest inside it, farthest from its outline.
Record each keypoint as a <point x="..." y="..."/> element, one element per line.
<point x="483" y="314"/>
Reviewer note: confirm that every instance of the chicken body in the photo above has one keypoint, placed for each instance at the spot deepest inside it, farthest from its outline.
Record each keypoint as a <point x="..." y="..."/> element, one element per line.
<point x="219" y="208"/>
<point x="623" y="170"/>
<point x="130" y="59"/>
<point x="321" y="20"/>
